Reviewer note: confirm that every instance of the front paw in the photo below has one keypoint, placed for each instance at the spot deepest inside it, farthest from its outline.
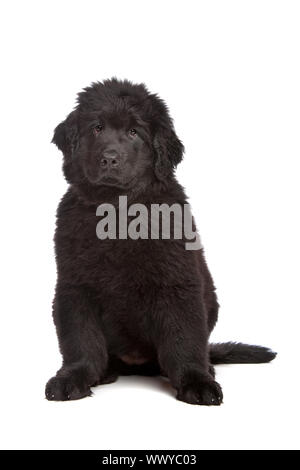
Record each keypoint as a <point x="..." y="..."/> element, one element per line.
<point x="207" y="393"/>
<point x="65" y="388"/>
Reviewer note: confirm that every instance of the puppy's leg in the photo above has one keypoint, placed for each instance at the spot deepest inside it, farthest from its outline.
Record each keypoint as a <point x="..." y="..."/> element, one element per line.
<point x="81" y="341"/>
<point x="182" y="346"/>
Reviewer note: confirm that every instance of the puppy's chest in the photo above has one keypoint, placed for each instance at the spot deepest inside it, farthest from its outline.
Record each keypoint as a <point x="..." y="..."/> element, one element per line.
<point x="111" y="263"/>
<point x="104" y="263"/>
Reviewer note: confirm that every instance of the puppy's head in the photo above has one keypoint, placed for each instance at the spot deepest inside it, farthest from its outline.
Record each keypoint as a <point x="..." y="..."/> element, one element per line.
<point x="118" y="135"/>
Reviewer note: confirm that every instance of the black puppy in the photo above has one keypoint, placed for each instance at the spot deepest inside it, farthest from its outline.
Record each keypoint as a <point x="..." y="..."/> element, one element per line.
<point x="130" y="306"/>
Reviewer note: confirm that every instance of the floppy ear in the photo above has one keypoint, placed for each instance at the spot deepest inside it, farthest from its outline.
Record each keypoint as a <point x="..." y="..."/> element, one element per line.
<point x="66" y="135"/>
<point x="169" y="152"/>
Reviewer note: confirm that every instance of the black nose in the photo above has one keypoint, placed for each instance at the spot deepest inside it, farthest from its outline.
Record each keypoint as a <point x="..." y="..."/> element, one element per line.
<point x="110" y="159"/>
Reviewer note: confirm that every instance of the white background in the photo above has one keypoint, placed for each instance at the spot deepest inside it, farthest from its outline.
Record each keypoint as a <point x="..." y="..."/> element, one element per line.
<point x="229" y="71"/>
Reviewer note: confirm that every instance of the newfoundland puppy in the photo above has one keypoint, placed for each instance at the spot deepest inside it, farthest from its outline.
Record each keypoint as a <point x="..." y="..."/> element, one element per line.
<point x="130" y="304"/>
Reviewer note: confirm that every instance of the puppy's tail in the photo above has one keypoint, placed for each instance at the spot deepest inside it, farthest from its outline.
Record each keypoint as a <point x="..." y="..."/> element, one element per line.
<point x="239" y="353"/>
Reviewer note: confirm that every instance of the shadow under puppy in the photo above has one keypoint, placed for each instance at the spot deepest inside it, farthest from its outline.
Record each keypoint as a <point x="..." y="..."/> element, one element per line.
<point x="130" y="306"/>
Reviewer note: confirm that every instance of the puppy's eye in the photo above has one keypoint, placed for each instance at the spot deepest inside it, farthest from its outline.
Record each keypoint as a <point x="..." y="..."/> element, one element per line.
<point x="133" y="132"/>
<point x="97" y="129"/>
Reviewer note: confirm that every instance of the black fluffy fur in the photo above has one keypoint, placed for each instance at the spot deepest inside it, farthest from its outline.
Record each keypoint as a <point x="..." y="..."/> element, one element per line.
<point x="239" y="353"/>
<point x="130" y="306"/>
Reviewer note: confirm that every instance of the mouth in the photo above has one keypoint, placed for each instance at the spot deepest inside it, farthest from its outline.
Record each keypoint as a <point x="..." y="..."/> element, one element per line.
<point x="114" y="182"/>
